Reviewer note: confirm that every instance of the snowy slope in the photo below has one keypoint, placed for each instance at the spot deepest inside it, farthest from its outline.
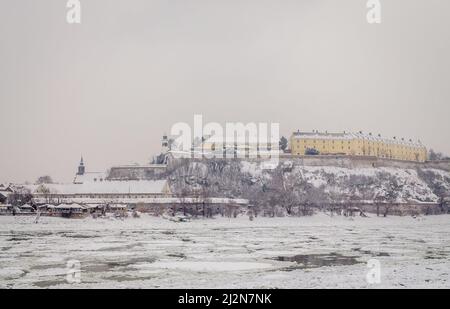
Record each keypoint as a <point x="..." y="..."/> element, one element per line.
<point x="246" y="179"/>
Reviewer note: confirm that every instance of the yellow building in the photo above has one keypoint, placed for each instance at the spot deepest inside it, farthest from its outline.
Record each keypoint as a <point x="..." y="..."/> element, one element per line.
<point x="357" y="144"/>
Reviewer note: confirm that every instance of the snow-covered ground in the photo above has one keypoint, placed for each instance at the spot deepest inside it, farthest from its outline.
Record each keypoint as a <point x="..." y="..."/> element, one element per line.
<point x="226" y="253"/>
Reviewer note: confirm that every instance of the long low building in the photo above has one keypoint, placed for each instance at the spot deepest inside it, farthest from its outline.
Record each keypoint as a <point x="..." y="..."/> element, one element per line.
<point x="139" y="200"/>
<point x="100" y="192"/>
<point x="143" y="192"/>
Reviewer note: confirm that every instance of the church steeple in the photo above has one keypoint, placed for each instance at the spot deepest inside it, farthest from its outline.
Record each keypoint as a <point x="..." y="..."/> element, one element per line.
<point x="81" y="167"/>
<point x="164" y="144"/>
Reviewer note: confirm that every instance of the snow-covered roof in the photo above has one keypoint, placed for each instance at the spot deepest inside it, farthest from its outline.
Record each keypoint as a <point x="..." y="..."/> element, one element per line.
<point x="131" y="166"/>
<point x="118" y="206"/>
<point x="359" y="135"/>
<point x="69" y="206"/>
<point x="90" y="177"/>
<point x="91" y="205"/>
<point x="6" y="189"/>
<point x="240" y="138"/>
<point x="26" y="206"/>
<point x="107" y="187"/>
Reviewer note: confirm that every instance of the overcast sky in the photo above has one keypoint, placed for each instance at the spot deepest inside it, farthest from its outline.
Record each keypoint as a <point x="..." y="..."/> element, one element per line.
<point x="111" y="86"/>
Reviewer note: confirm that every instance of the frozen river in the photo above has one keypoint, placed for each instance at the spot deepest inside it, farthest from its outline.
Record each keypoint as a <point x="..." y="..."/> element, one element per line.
<point x="315" y="252"/>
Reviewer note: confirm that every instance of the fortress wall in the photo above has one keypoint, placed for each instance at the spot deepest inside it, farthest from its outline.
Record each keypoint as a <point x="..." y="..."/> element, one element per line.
<point x="342" y="161"/>
<point x="362" y="162"/>
<point x="351" y="162"/>
<point x="443" y="165"/>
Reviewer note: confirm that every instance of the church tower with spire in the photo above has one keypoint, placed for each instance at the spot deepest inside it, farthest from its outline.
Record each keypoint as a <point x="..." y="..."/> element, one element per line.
<point x="81" y="167"/>
<point x="164" y="144"/>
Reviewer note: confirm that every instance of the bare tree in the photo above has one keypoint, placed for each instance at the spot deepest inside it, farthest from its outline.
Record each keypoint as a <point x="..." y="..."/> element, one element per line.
<point x="20" y="196"/>
<point x="283" y="144"/>
<point x="436" y="156"/>
<point x="45" y="192"/>
<point x="206" y="192"/>
<point x="184" y="197"/>
<point x="44" y="180"/>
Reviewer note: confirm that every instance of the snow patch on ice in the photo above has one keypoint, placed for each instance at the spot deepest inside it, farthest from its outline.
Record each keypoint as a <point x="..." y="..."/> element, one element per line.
<point x="210" y="266"/>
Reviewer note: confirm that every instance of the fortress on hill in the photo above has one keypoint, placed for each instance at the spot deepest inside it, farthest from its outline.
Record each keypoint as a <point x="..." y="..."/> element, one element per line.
<point x="364" y="172"/>
<point x="351" y="150"/>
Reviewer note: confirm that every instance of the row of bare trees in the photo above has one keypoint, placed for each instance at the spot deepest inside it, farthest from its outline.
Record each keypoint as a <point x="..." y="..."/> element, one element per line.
<point x="287" y="189"/>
